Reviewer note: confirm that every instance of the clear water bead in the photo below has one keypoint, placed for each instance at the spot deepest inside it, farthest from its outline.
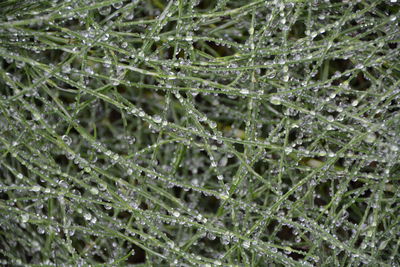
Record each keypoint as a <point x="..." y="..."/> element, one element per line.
<point x="275" y="100"/>
<point x="244" y="91"/>
<point x="67" y="140"/>
<point x="36" y="188"/>
<point x="370" y="138"/>
<point x="24" y="218"/>
<point x="288" y="150"/>
<point x="94" y="190"/>
<point x="354" y="103"/>
<point x="87" y="216"/>
<point x="157" y="119"/>
<point x="176" y="214"/>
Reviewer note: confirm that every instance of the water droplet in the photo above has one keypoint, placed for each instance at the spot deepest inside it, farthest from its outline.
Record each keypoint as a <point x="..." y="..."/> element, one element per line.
<point x="211" y="236"/>
<point x="24" y="218"/>
<point x="67" y="140"/>
<point x="105" y="10"/>
<point x="370" y="138"/>
<point x="176" y="214"/>
<point x="94" y="190"/>
<point x="213" y="124"/>
<point x="288" y="150"/>
<point x="286" y="78"/>
<point x="314" y="34"/>
<point x="244" y="91"/>
<point x="157" y="119"/>
<point x="36" y="188"/>
<point x="118" y="5"/>
<point x="275" y="100"/>
<point x="130" y="139"/>
<point x="223" y="161"/>
<point x="70" y="156"/>
<point x="102" y="187"/>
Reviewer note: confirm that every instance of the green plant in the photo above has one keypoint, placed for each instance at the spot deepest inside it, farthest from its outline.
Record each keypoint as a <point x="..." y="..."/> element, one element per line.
<point x="204" y="133"/>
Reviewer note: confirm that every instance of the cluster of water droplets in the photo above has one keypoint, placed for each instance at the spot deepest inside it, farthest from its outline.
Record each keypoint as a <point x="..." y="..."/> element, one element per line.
<point x="210" y="133"/>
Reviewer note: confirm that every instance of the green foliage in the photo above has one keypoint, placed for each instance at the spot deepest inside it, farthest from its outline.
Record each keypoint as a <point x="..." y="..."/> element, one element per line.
<point x="199" y="133"/>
